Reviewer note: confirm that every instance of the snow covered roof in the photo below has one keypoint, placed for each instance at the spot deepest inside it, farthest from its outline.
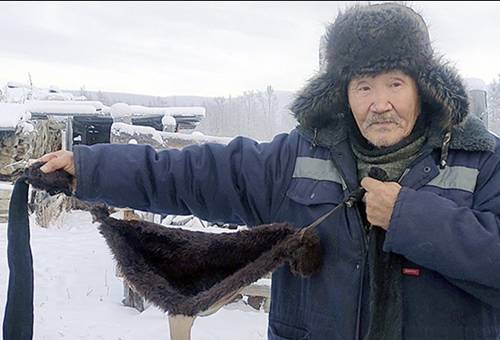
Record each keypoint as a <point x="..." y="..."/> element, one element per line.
<point x="118" y="128"/>
<point x="16" y="84"/>
<point x="138" y="110"/>
<point x="12" y="113"/>
<point x="197" y="111"/>
<point x="194" y="138"/>
<point x="120" y="110"/>
<point x="16" y="92"/>
<point x="63" y="107"/>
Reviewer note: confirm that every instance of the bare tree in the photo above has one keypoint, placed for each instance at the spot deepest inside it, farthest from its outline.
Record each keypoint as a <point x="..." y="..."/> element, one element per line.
<point x="103" y="98"/>
<point x="84" y="93"/>
<point x="249" y="104"/>
<point x="271" y="100"/>
<point x="219" y="116"/>
<point x="494" y="105"/>
<point x="271" y="107"/>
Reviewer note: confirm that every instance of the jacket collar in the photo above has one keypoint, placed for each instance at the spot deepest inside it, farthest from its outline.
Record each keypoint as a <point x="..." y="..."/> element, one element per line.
<point x="470" y="135"/>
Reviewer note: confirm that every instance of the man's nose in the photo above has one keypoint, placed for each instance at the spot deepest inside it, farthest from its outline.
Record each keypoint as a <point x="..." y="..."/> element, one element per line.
<point x="381" y="103"/>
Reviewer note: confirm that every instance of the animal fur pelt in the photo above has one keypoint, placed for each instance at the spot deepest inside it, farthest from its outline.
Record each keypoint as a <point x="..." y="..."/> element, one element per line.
<point x="186" y="272"/>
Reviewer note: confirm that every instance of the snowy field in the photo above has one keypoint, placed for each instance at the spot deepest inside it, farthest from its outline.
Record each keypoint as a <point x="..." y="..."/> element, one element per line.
<point x="78" y="296"/>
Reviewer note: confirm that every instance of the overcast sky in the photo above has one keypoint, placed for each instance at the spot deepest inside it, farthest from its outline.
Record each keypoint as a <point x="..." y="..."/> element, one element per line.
<point x="207" y="48"/>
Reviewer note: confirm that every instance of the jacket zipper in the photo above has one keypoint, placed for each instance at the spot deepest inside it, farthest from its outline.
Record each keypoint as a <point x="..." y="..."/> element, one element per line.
<point x="366" y="235"/>
<point x="364" y="251"/>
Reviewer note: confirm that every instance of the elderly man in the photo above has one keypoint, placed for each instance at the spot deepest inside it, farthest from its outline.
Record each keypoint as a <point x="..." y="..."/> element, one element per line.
<point x="418" y="259"/>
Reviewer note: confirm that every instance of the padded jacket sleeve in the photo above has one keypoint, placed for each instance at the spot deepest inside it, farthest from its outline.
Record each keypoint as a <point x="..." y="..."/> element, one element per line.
<point x="242" y="182"/>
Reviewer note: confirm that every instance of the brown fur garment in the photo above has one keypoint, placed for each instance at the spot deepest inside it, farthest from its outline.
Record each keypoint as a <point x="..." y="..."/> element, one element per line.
<point x="186" y="272"/>
<point x="54" y="182"/>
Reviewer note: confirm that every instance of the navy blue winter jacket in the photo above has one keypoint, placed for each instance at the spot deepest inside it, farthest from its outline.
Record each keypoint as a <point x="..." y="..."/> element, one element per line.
<point x="445" y="223"/>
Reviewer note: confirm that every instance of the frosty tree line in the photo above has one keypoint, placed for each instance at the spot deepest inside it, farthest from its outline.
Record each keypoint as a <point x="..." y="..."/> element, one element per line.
<point x="259" y="114"/>
<point x="494" y="105"/>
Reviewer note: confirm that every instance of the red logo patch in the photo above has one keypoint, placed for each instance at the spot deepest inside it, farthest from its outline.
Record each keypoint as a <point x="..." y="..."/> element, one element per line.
<point x="411" y="271"/>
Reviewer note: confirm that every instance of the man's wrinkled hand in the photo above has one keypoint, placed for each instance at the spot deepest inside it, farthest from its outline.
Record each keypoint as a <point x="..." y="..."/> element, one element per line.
<point x="59" y="160"/>
<point x="380" y="198"/>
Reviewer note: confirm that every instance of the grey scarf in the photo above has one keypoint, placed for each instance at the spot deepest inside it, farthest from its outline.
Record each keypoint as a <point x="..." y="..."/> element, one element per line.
<point x="385" y="293"/>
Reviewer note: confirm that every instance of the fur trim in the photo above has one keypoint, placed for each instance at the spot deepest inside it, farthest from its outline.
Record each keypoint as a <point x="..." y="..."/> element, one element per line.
<point x="320" y="103"/>
<point x="357" y="44"/>
<point x="470" y="135"/>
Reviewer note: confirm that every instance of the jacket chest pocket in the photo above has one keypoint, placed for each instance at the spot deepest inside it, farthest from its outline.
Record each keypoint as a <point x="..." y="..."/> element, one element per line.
<point x="315" y="182"/>
<point x="310" y="192"/>
<point x="456" y="183"/>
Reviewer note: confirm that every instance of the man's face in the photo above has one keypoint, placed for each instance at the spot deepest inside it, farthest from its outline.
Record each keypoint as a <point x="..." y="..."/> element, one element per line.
<point x="385" y="106"/>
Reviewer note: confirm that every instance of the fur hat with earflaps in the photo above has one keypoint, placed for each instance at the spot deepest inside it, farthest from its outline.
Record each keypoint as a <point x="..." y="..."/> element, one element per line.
<point x="371" y="39"/>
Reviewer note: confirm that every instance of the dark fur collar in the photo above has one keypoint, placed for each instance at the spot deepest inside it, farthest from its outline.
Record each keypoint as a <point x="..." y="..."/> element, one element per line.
<point x="470" y="135"/>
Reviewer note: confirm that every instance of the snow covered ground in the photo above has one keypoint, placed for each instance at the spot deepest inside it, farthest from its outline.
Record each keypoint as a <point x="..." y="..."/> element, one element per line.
<point x="78" y="296"/>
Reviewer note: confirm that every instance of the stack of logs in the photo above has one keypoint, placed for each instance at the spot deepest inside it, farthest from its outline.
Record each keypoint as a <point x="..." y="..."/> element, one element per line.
<point x="28" y="140"/>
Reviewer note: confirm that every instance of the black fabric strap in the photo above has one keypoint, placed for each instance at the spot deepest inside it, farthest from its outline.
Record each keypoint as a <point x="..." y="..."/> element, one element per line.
<point x="18" y="317"/>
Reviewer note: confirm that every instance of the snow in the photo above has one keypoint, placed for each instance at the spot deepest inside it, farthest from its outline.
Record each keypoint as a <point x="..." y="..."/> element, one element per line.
<point x="27" y="127"/>
<point x="11" y="114"/>
<point x="55" y="107"/>
<point x="118" y="128"/>
<point x="168" y="121"/>
<point x="197" y="137"/>
<point x="16" y="92"/>
<point x="195" y="224"/>
<point x="184" y="111"/>
<point x="120" y="110"/>
<point x="78" y="296"/>
<point x="6" y="186"/>
<point x="106" y="110"/>
<point x="98" y="106"/>
<point x="138" y="110"/>
<point x="15" y="84"/>
<point x="54" y="89"/>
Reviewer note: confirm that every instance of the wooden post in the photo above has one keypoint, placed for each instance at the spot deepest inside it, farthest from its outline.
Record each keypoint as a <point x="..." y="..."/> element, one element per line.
<point x="180" y="327"/>
<point x="130" y="296"/>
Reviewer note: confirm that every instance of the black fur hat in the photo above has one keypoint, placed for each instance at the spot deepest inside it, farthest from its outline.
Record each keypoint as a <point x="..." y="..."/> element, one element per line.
<point x="368" y="40"/>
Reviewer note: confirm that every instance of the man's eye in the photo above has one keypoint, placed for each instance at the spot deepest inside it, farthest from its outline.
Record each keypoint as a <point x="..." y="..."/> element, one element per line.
<point x="396" y="84"/>
<point x="364" y="88"/>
